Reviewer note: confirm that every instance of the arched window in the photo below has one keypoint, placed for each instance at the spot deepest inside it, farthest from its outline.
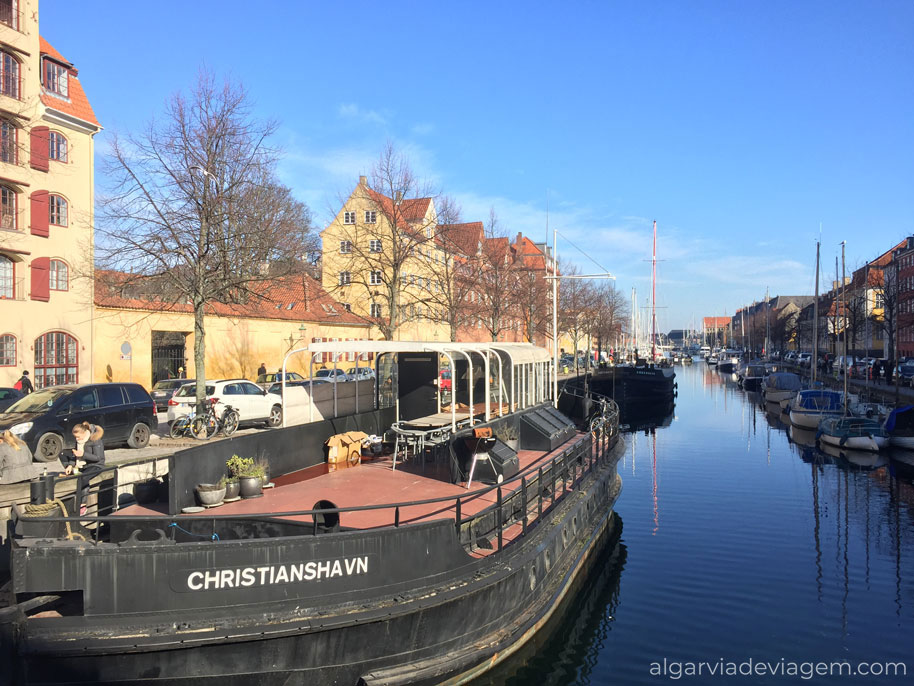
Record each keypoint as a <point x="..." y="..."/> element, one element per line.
<point x="57" y="210"/>
<point x="7" y="278"/>
<point x="7" y="208"/>
<point x="58" y="146"/>
<point x="8" y="142"/>
<point x="7" y="350"/>
<point x="9" y="75"/>
<point x="56" y="359"/>
<point x="59" y="276"/>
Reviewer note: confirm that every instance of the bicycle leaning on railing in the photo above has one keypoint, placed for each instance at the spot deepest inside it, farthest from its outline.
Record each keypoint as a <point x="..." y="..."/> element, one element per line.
<point x="206" y="425"/>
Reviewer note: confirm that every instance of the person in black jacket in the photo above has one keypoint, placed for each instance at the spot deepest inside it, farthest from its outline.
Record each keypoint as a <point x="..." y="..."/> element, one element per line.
<point x="87" y="459"/>
<point x="25" y="383"/>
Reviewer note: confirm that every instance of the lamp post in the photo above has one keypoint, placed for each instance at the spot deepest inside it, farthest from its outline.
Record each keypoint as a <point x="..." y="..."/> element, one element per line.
<point x="555" y="310"/>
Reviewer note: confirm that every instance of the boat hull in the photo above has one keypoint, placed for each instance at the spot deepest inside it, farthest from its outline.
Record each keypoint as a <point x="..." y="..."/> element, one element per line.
<point x="906" y="442"/>
<point x="456" y="618"/>
<point x="634" y="384"/>
<point x="809" y="420"/>
<point x="855" y="442"/>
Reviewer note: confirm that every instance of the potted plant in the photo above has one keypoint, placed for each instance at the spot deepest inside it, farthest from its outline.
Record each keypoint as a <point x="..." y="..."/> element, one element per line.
<point x="232" y="487"/>
<point x="250" y="476"/>
<point x="264" y="466"/>
<point x="210" y="494"/>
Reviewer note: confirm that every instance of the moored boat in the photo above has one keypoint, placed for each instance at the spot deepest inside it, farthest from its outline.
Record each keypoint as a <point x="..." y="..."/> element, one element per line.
<point x="404" y="569"/>
<point x="752" y="375"/>
<point x="729" y="361"/>
<point x="900" y="427"/>
<point x="812" y="405"/>
<point x="854" y="433"/>
<point x="781" y="387"/>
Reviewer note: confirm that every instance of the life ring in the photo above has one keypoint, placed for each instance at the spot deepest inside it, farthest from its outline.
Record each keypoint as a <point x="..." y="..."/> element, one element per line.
<point x="355" y="459"/>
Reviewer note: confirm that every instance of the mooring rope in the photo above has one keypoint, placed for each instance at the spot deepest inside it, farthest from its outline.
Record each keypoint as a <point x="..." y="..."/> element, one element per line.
<point x="45" y="509"/>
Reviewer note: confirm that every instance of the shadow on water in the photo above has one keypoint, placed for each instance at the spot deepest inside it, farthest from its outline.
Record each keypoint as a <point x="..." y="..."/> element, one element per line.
<point x="646" y="416"/>
<point x="567" y="648"/>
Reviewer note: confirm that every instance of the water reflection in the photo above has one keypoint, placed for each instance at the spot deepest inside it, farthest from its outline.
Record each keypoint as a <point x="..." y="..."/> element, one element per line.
<point x="568" y="647"/>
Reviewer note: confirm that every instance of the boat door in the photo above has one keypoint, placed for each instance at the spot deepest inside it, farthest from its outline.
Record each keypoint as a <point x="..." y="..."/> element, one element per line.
<point x="418" y="391"/>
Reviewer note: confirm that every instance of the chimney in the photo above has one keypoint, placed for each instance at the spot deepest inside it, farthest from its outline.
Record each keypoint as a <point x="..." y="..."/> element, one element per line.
<point x="398" y="196"/>
<point x="519" y="236"/>
<point x="363" y="180"/>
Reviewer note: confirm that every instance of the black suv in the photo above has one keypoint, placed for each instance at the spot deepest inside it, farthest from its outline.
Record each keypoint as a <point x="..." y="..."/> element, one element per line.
<point x="45" y="419"/>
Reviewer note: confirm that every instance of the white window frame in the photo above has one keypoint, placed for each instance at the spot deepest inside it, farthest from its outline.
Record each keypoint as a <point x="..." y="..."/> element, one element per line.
<point x="375" y="310"/>
<point x="345" y="247"/>
<point x="344" y="278"/>
<point x="349" y="217"/>
<point x="371" y="217"/>
<point x="57" y="147"/>
<point x="374" y="245"/>
<point x="374" y="277"/>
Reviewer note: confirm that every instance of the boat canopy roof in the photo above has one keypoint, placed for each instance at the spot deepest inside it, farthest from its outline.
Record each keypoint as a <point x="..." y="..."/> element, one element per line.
<point x="819" y="399"/>
<point x="784" y="381"/>
<point x="517" y="353"/>
<point x="901" y="419"/>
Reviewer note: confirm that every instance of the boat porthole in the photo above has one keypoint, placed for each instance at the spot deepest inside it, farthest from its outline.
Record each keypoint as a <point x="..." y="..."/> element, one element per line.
<point x="532" y="577"/>
<point x="564" y="538"/>
<point x="547" y="560"/>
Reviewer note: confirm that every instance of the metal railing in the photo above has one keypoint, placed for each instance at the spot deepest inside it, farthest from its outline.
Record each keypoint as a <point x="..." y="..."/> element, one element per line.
<point x="524" y="498"/>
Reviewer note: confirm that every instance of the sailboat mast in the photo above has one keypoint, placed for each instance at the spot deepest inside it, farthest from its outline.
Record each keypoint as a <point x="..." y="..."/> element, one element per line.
<point x="815" y="321"/>
<point x="844" y="326"/>
<point x="654" y="297"/>
<point x="767" y="323"/>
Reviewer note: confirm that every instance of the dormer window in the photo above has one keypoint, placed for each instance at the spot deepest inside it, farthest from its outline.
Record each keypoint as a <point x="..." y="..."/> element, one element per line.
<point x="56" y="78"/>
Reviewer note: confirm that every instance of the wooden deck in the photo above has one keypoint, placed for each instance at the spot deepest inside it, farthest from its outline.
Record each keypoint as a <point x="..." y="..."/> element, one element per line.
<point x="374" y="483"/>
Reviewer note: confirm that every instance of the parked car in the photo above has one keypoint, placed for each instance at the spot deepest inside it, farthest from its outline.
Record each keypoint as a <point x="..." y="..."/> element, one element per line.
<point x="8" y="396"/>
<point x="446" y="384"/>
<point x="791" y="357"/>
<point x="277" y="387"/>
<point x="906" y="374"/>
<point x="164" y="389"/>
<point x="254" y="404"/>
<point x="267" y="380"/>
<point x="45" y="419"/>
<point x="804" y="359"/>
<point x="362" y="373"/>
<point x="332" y="375"/>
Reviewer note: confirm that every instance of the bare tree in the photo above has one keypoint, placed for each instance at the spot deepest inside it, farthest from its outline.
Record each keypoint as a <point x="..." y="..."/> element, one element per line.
<point x="884" y="284"/>
<point x="532" y="298"/>
<point x="610" y="315"/>
<point x="576" y="300"/>
<point x="455" y="276"/>
<point x="496" y="280"/>
<point x="394" y="239"/>
<point x="195" y="209"/>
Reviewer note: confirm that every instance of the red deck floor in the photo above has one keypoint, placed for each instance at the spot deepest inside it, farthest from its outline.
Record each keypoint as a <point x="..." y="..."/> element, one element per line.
<point x="373" y="483"/>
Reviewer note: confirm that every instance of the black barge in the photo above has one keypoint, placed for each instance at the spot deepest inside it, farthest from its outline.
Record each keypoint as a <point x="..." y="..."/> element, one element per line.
<point x="388" y="572"/>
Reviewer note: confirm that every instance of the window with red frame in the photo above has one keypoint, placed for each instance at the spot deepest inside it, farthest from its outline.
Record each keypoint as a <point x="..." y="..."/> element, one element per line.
<point x="9" y="13"/>
<point x="7" y="350"/>
<point x="9" y="75"/>
<point x="57" y="210"/>
<point x="56" y="77"/>
<point x="56" y="359"/>
<point x="57" y="147"/>
<point x="7" y="208"/>
<point x="59" y="276"/>
<point x="7" y="278"/>
<point x="8" y="142"/>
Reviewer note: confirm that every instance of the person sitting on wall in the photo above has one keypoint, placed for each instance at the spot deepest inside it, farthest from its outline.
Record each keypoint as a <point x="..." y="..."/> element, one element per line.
<point x="87" y="459"/>
<point x="16" y="463"/>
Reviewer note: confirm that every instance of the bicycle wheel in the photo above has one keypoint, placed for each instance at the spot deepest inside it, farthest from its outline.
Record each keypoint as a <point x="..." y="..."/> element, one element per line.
<point x="177" y="428"/>
<point x="203" y="427"/>
<point x="229" y="423"/>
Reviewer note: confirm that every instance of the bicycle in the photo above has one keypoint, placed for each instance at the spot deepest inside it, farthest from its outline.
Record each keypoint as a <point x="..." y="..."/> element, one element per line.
<point x="206" y="425"/>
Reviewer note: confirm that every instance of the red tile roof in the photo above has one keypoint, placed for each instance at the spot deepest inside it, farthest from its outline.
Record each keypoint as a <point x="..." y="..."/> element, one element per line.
<point x="528" y="254"/>
<point x="466" y="237"/>
<point x="77" y="105"/>
<point x="716" y="322"/>
<point x="411" y="209"/>
<point x="309" y="302"/>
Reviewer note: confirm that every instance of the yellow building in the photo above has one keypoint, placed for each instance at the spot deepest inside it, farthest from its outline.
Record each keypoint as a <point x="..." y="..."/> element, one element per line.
<point x="144" y="340"/>
<point x="46" y="207"/>
<point x="381" y="252"/>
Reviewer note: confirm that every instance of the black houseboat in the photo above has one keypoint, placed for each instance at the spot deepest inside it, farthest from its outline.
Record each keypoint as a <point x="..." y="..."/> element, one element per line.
<point x="428" y="566"/>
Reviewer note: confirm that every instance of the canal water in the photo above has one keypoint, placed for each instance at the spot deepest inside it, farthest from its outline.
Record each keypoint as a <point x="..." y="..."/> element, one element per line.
<point x="743" y="547"/>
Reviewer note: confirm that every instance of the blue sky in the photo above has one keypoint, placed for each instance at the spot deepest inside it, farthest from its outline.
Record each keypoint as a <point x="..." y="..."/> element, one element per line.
<point x="738" y="126"/>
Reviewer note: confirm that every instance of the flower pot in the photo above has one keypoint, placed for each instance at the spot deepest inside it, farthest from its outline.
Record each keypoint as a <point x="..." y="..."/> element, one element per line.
<point x="251" y="486"/>
<point x="210" y="494"/>
<point x="146" y="491"/>
<point x="232" y="489"/>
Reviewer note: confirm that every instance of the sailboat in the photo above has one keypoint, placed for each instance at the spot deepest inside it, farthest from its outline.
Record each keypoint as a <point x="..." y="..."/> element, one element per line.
<point x="648" y="383"/>
<point x="855" y="433"/>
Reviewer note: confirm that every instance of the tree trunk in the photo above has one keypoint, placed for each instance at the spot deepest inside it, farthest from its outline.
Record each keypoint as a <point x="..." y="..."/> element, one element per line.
<point x="200" y="353"/>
